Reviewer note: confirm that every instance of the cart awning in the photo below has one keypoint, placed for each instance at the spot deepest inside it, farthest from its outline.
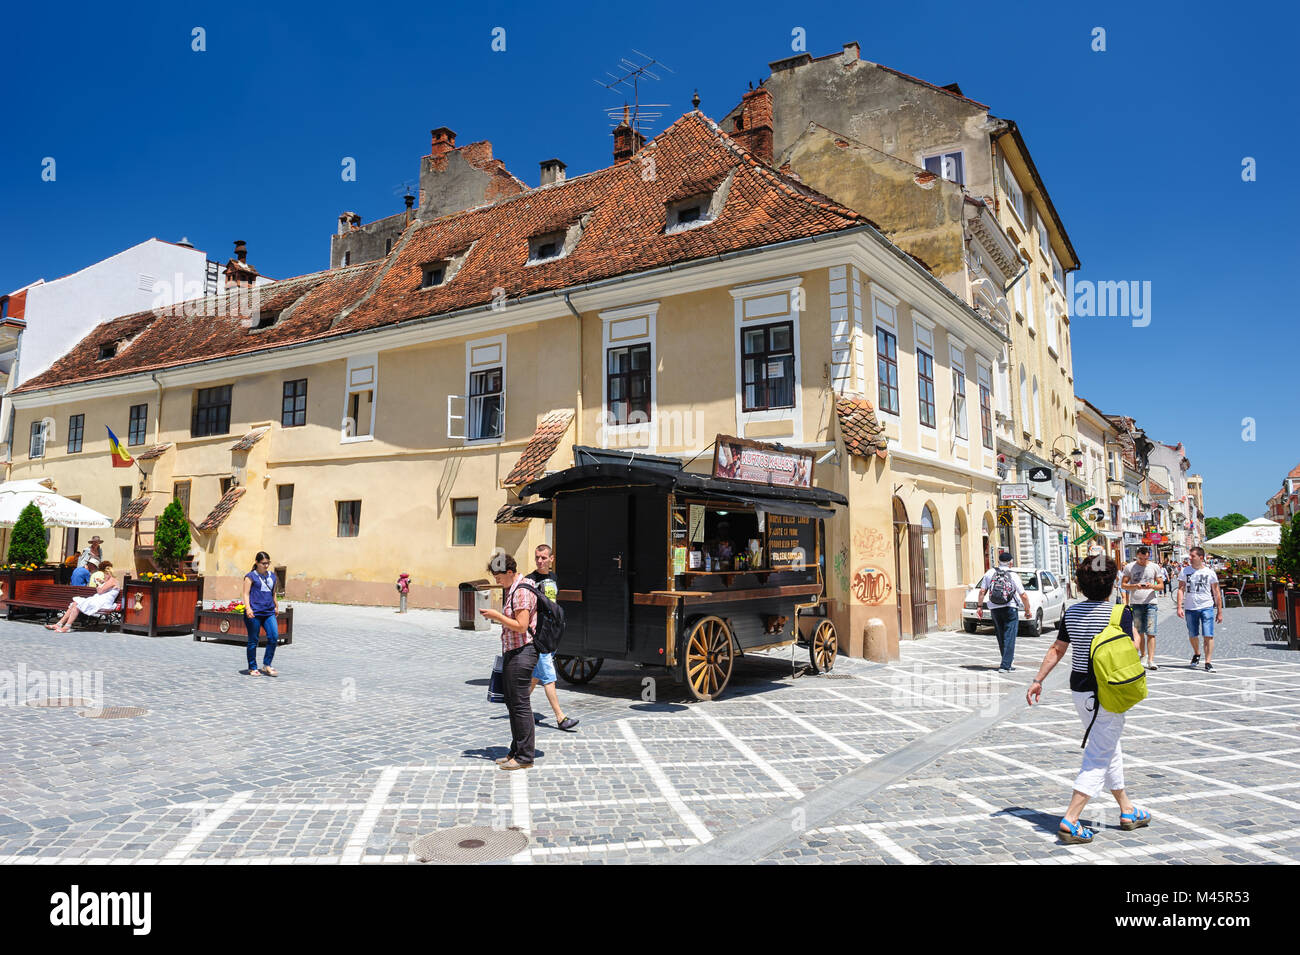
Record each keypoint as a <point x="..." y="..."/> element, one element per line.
<point x="769" y="506"/>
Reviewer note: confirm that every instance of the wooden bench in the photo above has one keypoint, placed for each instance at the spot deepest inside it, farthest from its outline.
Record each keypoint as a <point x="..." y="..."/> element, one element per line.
<point x="53" y="599"/>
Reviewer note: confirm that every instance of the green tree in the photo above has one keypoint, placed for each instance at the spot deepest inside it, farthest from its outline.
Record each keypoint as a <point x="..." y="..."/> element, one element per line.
<point x="1288" y="549"/>
<point x="171" y="542"/>
<point x="27" y="542"/>
<point x="1218" y="526"/>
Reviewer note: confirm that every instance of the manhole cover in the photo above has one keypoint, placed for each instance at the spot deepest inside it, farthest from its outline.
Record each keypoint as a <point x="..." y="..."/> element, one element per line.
<point x="61" y="701"/>
<point x="114" y="712"/>
<point x="470" y="844"/>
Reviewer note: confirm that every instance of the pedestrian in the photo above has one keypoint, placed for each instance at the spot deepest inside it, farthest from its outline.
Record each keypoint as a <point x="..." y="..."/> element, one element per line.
<point x="519" y="656"/>
<point x="1103" y="763"/>
<point x="90" y="560"/>
<point x="1140" y="595"/>
<point x="259" y="613"/>
<point x="543" y="578"/>
<point x="103" y="598"/>
<point x="1004" y="589"/>
<point x="1200" y="603"/>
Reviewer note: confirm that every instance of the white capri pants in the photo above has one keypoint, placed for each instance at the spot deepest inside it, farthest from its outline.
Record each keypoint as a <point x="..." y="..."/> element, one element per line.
<point x="1103" y="763"/>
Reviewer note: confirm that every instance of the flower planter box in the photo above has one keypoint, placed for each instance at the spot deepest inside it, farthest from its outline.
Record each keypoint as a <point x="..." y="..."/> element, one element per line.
<point x="14" y="583"/>
<point x="227" y="626"/>
<point x="160" y="607"/>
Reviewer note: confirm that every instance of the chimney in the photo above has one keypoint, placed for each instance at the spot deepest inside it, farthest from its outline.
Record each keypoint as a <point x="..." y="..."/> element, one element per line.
<point x="343" y="222"/>
<point x="444" y="141"/>
<point x="852" y="53"/>
<point x="754" y="124"/>
<point x="626" y="140"/>
<point x="410" y="201"/>
<point x="238" y="271"/>
<point x="552" y="171"/>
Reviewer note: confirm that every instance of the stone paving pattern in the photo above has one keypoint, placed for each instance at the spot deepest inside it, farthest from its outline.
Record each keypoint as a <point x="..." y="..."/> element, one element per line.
<point x="378" y="731"/>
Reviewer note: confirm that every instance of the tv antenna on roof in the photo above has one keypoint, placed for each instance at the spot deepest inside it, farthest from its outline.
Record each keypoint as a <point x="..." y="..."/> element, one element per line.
<point x="640" y="116"/>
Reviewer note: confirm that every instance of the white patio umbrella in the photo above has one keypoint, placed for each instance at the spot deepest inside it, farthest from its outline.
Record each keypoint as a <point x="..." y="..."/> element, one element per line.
<point x="1257" y="540"/>
<point x="56" y="510"/>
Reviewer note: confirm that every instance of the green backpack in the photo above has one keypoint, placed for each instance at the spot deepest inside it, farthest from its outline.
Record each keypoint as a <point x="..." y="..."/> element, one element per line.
<point x="1121" y="678"/>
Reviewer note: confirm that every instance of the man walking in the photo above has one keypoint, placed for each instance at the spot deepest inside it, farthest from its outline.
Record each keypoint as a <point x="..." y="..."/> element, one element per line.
<point x="1200" y="603"/>
<point x="1003" y="588"/>
<point x="1141" y="582"/>
<point x="519" y="656"/>
<point x="543" y="578"/>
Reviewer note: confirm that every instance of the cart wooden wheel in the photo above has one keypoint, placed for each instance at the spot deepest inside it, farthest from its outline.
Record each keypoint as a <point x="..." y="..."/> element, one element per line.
<point x="707" y="657"/>
<point x="823" y="647"/>
<point x="578" y="669"/>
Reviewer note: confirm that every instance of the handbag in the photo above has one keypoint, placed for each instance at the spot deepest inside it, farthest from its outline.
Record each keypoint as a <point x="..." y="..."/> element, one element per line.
<point x="496" y="682"/>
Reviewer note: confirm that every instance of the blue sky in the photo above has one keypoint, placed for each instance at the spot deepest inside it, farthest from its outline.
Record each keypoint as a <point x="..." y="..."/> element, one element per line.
<point x="1141" y="147"/>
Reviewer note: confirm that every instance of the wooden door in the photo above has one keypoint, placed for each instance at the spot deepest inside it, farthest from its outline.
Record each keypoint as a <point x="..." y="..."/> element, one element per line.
<point x="605" y="597"/>
<point x="916" y="578"/>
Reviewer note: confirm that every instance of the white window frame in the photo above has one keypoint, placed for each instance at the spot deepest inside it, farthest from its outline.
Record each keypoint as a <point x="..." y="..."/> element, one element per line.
<point x="1038" y="412"/>
<point x="484" y="354"/>
<point x="923" y="341"/>
<point x="361" y="374"/>
<point x="984" y="376"/>
<point x="960" y="416"/>
<point x="1050" y="319"/>
<point x="942" y="154"/>
<point x="1015" y="195"/>
<point x="884" y="314"/>
<point x="1018" y="294"/>
<point x="36" y="433"/>
<point x="1058" y="273"/>
<point x="1044" y="239"/>
<point x="1026" y="415"/>
<point x="762" y="304"/>
<point x="621" y="328"/>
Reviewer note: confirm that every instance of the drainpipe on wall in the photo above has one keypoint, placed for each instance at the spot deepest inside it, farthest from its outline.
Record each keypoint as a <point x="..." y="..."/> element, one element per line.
<point x="577" y="419"/>
<point x="157" y="415"/>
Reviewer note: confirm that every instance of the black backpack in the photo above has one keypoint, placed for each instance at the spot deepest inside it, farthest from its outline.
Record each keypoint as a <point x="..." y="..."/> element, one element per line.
<point x="550" y="621"/>
<point x="1001" y="588"/>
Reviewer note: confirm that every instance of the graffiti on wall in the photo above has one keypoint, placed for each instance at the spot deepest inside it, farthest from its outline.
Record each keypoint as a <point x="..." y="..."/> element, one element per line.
<point x="872" y="586"/>
<point x="870" y="544"/>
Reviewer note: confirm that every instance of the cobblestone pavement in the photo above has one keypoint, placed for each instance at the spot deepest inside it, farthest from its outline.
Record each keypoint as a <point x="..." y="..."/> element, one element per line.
<point x="378" y="732"/>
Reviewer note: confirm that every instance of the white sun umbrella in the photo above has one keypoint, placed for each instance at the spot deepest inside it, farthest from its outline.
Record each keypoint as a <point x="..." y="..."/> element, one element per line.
<point x="56" y="510"/>
<point x="1257" y="540"/>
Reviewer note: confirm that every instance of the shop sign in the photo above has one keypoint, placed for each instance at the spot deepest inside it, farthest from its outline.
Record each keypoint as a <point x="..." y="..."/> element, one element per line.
<point x="740" y="460"/>
<point x="1013" y="492"/>
<point x="791" y="541"/>
<point x="1040" y="475"/>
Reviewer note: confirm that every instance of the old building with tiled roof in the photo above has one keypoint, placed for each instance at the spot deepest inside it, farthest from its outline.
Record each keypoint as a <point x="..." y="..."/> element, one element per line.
<point x="391" y="409"/>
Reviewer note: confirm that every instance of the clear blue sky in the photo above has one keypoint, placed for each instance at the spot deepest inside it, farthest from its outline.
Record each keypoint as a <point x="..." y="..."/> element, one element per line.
<point x="1141" y="148"/>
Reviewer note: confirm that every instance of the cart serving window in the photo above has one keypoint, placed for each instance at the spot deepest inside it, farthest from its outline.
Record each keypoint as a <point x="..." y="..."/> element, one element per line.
<point x="658" y="565"/>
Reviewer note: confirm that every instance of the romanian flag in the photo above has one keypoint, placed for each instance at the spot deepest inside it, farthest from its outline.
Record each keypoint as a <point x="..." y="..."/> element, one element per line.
<point x="121" y="458"/>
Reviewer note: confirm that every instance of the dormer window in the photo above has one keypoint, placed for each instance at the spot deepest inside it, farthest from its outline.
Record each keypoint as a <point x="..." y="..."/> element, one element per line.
<point x="432" y="274"/>
<point x="697" y="210"/>
<point x="543" y="248"/>
<point x="108" y="351"/>
<point x="265" y="320"/>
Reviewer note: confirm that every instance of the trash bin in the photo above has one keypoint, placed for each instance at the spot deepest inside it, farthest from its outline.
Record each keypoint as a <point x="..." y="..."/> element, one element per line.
<point x="474" y="596"/>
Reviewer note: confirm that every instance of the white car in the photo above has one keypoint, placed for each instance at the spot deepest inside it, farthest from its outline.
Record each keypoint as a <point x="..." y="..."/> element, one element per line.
<point x="1046" y="603"/>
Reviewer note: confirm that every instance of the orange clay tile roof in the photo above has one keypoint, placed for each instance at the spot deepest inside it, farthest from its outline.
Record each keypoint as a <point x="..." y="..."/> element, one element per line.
<point x="532" y="463"/>
<point x="507" y="515"/>
<point x="623" y="212"/>
<point x="222" y="510"/>
<point x="864" y="435"/>
<point x="131" y="516"/>
<point x="157" y="451"/>
<point x="250" y="439"/>
<point x="1157" y="487"/>
<point x="1294" y="472"/>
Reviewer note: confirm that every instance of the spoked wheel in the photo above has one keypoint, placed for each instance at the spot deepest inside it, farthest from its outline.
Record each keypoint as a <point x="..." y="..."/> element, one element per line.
<point x="707" y="658"/>
<point x="578" y="669"/>
<point x="823" y="647"/>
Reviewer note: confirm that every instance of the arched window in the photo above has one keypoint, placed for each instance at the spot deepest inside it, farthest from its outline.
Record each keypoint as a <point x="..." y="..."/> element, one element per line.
<point x="930" y="558"/>
<point x="1026" y="416"/>
<point x="1038" y="412"/>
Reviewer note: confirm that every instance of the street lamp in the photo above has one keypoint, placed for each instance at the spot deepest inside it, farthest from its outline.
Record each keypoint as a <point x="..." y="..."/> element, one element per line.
<point x="1060" y="456"/>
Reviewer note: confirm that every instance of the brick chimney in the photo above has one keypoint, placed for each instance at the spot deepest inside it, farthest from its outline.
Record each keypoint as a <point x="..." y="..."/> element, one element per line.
<point x="552" y="171"/>
<point x="754" y="124"/>
<point x="238" y="271"/>
<point x="626" y="140"/>
<point x="444" y="141"/>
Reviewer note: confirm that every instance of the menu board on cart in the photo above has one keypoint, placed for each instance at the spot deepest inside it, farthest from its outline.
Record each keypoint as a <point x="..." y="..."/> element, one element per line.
<point x="791" y="542"/>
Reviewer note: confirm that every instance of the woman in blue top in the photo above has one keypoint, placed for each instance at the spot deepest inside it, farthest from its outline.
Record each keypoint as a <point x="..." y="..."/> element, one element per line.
<point x="259" y="613"/>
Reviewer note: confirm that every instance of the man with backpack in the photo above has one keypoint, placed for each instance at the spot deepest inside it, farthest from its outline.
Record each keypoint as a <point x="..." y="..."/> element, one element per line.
<point x="1004" y="590"/>
<point x="543" y="580"/>
<point x="519" y="656"/>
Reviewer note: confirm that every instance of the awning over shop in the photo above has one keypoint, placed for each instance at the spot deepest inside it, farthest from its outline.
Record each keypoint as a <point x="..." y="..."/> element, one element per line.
<point x="1043" y="514"/>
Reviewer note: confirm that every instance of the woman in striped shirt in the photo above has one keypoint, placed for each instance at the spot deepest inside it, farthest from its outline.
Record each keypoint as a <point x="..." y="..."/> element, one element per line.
<point x="1103" y="763"/>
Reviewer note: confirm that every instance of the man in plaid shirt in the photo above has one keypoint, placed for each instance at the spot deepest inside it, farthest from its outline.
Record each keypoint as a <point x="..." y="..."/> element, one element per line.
<point x="519" y="656"/>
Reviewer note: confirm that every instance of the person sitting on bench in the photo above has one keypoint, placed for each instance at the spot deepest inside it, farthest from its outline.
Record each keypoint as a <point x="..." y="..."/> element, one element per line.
<point x="104" y="597"/>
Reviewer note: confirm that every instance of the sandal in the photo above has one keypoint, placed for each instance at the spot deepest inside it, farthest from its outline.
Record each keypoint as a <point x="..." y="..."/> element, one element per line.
<point x="1135" y="819"/>
<point x="269" y="671"/>
<point x="1077" y="834"/>
<point x="254" y="671"/>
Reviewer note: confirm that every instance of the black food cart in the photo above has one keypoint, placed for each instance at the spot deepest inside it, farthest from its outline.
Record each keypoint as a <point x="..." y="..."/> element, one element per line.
<point x="658" y="565"/>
